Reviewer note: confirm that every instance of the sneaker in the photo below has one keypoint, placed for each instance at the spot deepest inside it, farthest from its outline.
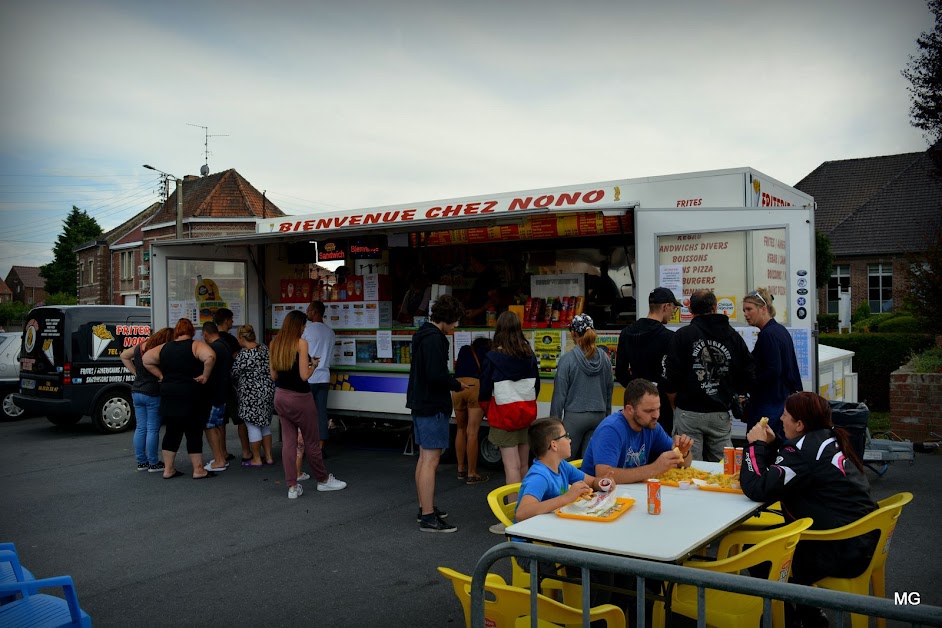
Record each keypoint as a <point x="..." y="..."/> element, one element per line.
<point x="304" y="476"/>
<point x="477" y="479"/>
<point x="497" y="528"/>
<point x="295" y="491"/>
<point x="441" y="514"/>
<point x="156" y="468"/>
<point x="436" y="524"/>
<point x="332" y="484"/>
<point x="142" y="466"/>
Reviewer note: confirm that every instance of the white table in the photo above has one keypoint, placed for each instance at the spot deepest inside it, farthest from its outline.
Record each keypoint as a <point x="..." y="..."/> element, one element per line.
<point x="689" y="520"/>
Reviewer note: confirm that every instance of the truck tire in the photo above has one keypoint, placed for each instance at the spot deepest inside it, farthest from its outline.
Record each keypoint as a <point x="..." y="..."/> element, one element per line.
<point x="11" y="411"/>
<point x="488" y="452"/>
<point x="63" y="420"/>
<point x="114" y="412"/>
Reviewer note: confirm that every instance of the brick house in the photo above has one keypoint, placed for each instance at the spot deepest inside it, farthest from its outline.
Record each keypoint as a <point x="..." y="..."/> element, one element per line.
<point x="6" y="295"/>
<point x="224" y="203"/>
<point x="26" y="284"/>
<point x="878" y="213"/>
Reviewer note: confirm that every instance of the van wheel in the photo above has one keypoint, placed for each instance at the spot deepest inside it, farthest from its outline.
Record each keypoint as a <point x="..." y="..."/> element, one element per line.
<point x="488" y="452"/>
<point x="114" y="413"/>
<point x="64" y="419"/>
<point x="11" y="410"/>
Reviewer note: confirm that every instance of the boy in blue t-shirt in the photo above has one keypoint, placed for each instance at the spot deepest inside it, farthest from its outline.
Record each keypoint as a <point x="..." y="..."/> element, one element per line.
<point x="551" y="482"/>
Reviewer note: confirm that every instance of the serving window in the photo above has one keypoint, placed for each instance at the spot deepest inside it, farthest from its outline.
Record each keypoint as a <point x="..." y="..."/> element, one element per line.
<point x="730" y="263"/>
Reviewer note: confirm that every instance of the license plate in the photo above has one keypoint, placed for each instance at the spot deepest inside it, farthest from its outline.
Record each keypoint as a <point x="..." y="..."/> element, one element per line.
<point x="28" y="384"/>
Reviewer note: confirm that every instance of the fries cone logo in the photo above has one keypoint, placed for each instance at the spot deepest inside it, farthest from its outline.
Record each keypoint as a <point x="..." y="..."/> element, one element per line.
<point x="101" y="338"/>
<point x="32" y="333"/>
<point x="47" y="349"/>
<point x="756" y="192"/>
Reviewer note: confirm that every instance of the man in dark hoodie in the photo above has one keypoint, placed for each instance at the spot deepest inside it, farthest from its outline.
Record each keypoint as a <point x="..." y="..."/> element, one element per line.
<point x="642" y="347"/>
<point x="707" y="364"/>
<point x="429" y="397"/>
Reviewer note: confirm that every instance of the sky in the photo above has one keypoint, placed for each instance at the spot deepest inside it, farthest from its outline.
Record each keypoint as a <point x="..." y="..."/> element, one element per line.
<point x="327" y="105"/>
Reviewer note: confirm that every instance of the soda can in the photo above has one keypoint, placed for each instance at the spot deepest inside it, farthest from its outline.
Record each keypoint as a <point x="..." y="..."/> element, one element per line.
<point x="738" y="460"/>
<point x="654" y="497"/>
<point x="729" y="460"/>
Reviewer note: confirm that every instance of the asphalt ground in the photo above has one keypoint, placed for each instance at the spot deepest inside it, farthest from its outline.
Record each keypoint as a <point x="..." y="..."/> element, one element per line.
<point x="234" y="551"/>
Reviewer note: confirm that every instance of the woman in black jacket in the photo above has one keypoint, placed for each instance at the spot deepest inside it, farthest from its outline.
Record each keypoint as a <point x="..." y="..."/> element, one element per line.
<point x="814" y="473"/>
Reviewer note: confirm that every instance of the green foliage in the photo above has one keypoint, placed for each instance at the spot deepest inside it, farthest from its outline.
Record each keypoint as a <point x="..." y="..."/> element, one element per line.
<point x="925" y="286"/>
<point x="901" y="324"/>
<point x="61" y="298"/>
<point x="862" y="312"/>
<point x="875" y="357"/>
<point x="14" y="312"/>
<point x="824" y="259"/>
<point x="78" y="228"/>
<point x="879" y="423"/>
<point x="924" y="73"/>
<point x="828" y="322"/>
<point x="928" y="361"/>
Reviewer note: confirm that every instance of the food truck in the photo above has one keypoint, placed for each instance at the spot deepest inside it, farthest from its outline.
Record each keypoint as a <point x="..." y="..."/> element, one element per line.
<point x="598" y="248"/>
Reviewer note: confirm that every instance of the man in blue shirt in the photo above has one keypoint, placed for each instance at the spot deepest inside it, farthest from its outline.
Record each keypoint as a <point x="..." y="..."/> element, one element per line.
<point x="631" y="445"/>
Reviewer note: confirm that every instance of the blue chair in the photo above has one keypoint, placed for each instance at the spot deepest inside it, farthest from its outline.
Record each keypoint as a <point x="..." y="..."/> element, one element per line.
<point x="11" y="571"/>
<point x="41" y="610"/>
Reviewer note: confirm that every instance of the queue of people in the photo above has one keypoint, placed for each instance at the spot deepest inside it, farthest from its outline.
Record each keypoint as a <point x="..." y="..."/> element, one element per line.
<point x="194" y="386"/>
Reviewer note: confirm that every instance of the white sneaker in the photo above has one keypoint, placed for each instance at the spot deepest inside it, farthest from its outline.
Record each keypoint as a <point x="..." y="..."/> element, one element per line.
<point x="332" y="484"/>
<point x="295" y="491"/>
<point x="304" y="476"/>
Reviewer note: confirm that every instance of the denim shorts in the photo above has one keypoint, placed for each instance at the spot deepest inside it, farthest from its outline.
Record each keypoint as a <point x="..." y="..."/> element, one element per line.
<point x="217" y="417"/>
<point x="431" y="432"/>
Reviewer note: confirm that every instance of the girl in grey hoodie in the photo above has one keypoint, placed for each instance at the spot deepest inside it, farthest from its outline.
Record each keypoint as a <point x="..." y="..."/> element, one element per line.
<point x="582" y="390"/>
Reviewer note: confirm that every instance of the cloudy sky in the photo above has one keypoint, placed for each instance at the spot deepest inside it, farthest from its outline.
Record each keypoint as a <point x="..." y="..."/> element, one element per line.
<point x="354" y="104"/>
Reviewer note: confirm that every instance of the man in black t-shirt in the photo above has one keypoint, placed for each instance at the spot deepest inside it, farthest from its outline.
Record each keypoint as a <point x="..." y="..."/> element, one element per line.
<point x="224" y="321"/>
<point x="217" y="388"/>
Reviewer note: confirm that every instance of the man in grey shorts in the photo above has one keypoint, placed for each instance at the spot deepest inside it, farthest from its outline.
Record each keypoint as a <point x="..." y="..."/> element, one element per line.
<point x="707" y="364"/>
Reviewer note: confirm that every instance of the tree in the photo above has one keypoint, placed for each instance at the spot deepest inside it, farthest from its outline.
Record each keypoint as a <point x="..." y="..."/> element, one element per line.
<point x="61" y="298"/>
<point x="925" y="285"/>
<point x="924" y="72"/>
<point x="59" y="274"/>
<point x="824" y="259"/>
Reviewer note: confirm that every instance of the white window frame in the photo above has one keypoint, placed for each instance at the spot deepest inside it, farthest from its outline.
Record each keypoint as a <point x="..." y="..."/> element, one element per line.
<point x="127" y="265"/>
<point x="91" y="272"/>
<point x="839" y="271"/>
<point x="882" y="270"/>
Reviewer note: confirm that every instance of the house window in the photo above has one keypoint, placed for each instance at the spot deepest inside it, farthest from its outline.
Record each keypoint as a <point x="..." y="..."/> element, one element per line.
<point x="839" y="282"/>
<point x="81" y="274"/>
<point x="127" y="265"/>
<point x="880" y="287"/>
<point x="91" y="272"/>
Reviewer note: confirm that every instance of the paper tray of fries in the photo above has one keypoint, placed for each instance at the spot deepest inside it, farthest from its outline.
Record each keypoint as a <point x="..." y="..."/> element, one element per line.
<point x="720" y="483"/>
<point x="671" y="477"/>
<point x="622" y="504"/>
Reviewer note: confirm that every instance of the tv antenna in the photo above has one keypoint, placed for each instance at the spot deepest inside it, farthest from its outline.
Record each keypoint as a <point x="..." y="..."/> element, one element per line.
<point x="204" y="169"/>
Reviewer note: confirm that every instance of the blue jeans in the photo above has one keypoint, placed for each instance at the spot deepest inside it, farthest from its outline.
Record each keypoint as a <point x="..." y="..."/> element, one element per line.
<point x="320" y="400"/>
<point x="147" y="433"/>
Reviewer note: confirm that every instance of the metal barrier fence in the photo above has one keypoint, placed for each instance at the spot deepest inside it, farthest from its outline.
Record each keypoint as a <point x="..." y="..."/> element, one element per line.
<point x="822" y="598"/>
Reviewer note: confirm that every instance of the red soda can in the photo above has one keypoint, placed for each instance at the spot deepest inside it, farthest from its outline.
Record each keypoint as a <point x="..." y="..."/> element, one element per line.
<point x="738" y="459"/>
<point x="729" y="460"/>
<point x="654" y="497"/>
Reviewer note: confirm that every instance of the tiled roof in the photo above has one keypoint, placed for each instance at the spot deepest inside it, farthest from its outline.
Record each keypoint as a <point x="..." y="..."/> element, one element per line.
<point x="130" y="230"/>
<point x="4" y="288"/>
<point x="220" y="195"/>
<point x="29" y="276"/>
<point x="878" y="205"/>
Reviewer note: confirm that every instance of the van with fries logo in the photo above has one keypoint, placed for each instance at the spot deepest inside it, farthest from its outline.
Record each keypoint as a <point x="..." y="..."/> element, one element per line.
<point x="70" y="364"/>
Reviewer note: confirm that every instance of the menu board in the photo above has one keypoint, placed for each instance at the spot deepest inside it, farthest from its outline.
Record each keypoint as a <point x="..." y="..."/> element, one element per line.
<point x="533" y="228"/>
<point x="770" y="269"/>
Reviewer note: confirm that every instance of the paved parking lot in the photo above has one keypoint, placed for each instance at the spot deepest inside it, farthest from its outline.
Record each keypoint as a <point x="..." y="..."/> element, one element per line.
<point x="236" y="552"/>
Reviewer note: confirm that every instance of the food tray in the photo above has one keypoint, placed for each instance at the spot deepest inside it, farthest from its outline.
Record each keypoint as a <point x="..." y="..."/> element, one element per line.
<point x="700" y="484"/>
<point x="624" y="502"/>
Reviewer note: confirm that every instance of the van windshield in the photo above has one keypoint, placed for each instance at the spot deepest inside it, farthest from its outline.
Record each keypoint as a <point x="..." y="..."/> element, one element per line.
<point x="43" y="348"/>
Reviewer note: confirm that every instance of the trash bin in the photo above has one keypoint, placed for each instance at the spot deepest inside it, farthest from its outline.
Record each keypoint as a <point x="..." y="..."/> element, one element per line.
<point x="854" y="418"/>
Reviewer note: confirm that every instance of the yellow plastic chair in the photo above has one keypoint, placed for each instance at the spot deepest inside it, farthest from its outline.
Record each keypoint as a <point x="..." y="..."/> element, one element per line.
<point x="576" y="463"/>
<point x="509" y="607"/>
<point x="504" y="511"/>
<point x="764" y="519"/>
<point x="735" y="610"/>
<point x="883" y="519"/>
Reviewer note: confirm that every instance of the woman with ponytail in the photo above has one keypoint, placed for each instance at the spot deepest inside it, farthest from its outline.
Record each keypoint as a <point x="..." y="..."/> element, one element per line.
<point x="582" y="390"/>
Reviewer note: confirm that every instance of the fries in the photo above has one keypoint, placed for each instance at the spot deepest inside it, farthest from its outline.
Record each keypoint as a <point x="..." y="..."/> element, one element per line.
<point x="722" y="480"/>
<point x="764" y="421"/>
<point x="683" y="475"/>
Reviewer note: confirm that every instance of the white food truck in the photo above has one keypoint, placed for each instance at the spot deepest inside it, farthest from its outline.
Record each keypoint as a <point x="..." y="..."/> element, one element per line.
<point x="597" y="247"/>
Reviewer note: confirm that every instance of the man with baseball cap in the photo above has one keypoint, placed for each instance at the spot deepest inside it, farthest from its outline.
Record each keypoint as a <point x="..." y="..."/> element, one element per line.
<point x="643" y="345"/>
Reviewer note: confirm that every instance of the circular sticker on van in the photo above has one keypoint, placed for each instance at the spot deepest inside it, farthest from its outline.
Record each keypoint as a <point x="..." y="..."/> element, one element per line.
<point x="32" y="333"/>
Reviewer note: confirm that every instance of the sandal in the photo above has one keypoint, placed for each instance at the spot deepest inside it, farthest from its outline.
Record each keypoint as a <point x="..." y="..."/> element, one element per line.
<point x="462" y="475"/>
<point x="477" y="479"/>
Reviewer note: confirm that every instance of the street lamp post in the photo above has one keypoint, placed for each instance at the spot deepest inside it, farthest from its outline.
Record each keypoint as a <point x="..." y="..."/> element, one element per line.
<point x="179" y="199"/>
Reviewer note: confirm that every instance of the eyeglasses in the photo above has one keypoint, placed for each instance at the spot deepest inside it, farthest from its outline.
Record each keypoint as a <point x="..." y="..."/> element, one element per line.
<point x="566" y="436"/>
<point x="755" y="293"/>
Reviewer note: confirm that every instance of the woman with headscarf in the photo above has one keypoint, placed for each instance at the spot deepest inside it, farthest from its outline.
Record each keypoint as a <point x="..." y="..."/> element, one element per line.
<point x="583" y="387"/>
<point x="145" y="395"/>
<point x="182" y="366"/>
<point x="291" y="366"/>
<point x="256" y="393"/>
